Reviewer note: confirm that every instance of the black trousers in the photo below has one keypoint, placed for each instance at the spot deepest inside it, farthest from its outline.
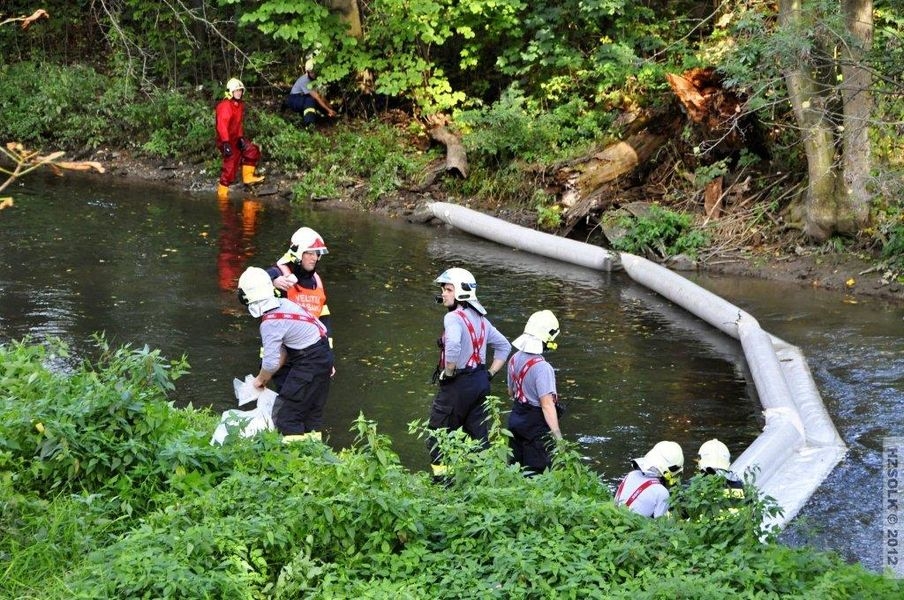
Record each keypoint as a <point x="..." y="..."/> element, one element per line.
<point x="459" y="404"/>
<point x="303" y="384"/>
<point x="531" y="441"/>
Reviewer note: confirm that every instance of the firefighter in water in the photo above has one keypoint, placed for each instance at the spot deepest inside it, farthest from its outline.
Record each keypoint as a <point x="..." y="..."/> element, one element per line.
<point x="292" y="338"/>
<point x="295" y="275"/>
<point x="645" y="490"/>
<point x="236" y="150"/>
<point x="534" y="420"/>
<point x="462" y="374"/>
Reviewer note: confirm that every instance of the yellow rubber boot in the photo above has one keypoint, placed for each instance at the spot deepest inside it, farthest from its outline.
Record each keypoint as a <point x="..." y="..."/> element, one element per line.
<point x="248" y="176"/>
<point x="222" y="191"/>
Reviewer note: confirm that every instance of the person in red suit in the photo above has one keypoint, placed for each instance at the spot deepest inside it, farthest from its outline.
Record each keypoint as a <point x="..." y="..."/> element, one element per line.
<point x="236" y="150"/>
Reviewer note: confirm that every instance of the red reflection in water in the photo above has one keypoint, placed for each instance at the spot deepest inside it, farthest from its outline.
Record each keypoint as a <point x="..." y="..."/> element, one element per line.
<point x="236" y="236"/>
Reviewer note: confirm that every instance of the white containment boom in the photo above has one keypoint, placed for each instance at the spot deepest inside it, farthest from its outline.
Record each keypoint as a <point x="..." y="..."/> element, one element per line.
<point x="799" y="445"/>
<point x="522" y="238"/>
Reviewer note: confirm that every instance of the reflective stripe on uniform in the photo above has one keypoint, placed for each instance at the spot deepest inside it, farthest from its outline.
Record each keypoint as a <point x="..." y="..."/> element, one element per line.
<point x="636" y="492"/>
<point x="305" y="318"/>
<point x="518" y="380"/>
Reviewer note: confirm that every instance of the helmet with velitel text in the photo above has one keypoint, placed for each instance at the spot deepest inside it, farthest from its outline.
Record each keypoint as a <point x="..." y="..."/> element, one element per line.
<point x="464" y="286"/>
<point x="541" y="329"/>
<point x="665" y="460"/>
<point x="713" y="456"/>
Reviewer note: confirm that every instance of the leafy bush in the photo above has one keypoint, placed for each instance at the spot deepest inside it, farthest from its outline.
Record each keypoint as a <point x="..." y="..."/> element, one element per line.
<point x="512" y="128"/>
<point x="661" y="231"/>
<point x="271" y="520"/>
<point x="43" y="103"/>
<point x="373" y="152"/>
<point x="173" y="125"/>
<point x="104" y="429"/>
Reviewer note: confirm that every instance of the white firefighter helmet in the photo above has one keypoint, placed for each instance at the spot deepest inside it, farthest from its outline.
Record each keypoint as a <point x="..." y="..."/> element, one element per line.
<point x="714" y="455"/>
<point x="233" y="85"/>
<point x="664" y="460"/>
<point x="257" y="291"/>
<point x="464" y="284"/>
<point x="309" y="64"/>
<point x="304" y="240"/>
<point x="541" y="329"/>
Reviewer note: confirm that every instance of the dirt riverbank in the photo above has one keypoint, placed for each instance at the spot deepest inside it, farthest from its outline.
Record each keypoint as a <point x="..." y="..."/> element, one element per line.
<point x="786" y="258"/>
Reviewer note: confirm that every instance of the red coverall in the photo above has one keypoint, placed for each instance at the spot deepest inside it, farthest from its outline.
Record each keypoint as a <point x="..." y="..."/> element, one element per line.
<point x="230" y="115"/>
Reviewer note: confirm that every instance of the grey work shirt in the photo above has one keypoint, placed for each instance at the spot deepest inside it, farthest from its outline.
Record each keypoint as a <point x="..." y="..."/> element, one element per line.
<point x="457" y="345"/>
<point x="302" y="85"/>
<point x="294" y="334"/>
<point x="651" y="502"/>
<point x="539" y="381"/>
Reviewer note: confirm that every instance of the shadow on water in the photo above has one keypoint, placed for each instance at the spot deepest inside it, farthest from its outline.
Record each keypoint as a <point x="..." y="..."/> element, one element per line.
<point x="149" y="266"/>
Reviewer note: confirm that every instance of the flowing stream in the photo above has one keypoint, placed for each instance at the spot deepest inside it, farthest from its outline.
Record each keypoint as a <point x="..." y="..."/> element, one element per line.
<point x="144" y="265"/>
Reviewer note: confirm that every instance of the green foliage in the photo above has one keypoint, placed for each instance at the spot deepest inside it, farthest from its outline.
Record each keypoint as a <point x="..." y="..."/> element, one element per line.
<point x="662" y="231"/>
<point x="718" y="517"/>
<point x="889" y="231"/>
<point x="272" y="520"/>
<point x="706" y="173"/>
<point x="41" y="103"/>
<point x="506" y="186"/>
<point x="887" y="56"/>
<point x="515" y="128"/>
<point x="37" y="536"/>
<point x="175" y="125"/>
<point x="115" y="435"/>
<point x="549" y="214"/>
<point x="375" y="153"/>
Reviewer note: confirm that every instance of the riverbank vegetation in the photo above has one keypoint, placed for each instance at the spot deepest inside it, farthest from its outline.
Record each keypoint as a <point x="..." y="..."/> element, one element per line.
<point x="108" y="491"/>
<point x="767" y="125"/>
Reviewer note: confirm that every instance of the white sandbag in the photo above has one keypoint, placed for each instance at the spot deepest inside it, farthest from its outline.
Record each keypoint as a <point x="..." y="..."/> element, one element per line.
<point x="248" y="422"/>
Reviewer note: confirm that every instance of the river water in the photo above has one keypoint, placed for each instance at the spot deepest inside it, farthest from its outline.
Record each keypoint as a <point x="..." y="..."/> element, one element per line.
<point x="151" y="266"/>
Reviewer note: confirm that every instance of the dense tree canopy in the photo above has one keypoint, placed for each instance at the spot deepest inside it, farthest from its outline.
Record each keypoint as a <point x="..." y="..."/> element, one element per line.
<point x="825" y="78"/>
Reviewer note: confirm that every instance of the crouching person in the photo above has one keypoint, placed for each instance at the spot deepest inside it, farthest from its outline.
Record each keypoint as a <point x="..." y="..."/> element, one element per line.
<point x="714" y="459"/>
<point x="645" y="490"/>
<point x="295" y="346"/>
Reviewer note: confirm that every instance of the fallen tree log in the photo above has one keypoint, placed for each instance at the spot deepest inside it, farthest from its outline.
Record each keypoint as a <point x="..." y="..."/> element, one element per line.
<point x="587" y="180"/>
<point x="456" y="157"/>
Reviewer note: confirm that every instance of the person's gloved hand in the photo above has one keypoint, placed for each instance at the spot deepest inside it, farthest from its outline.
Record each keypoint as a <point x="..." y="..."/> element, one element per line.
<point x="241" y="144"/>
<point x="226" y="149"/>
<point x="445" y="378"/>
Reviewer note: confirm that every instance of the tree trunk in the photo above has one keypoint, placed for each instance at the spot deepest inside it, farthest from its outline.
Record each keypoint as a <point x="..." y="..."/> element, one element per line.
<point x="585" y="182"/>
<point x="350" y="13"/>
<point x="816" y="131"/>
<point x="836" y="198"/>
<point x="858" y="107"/>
